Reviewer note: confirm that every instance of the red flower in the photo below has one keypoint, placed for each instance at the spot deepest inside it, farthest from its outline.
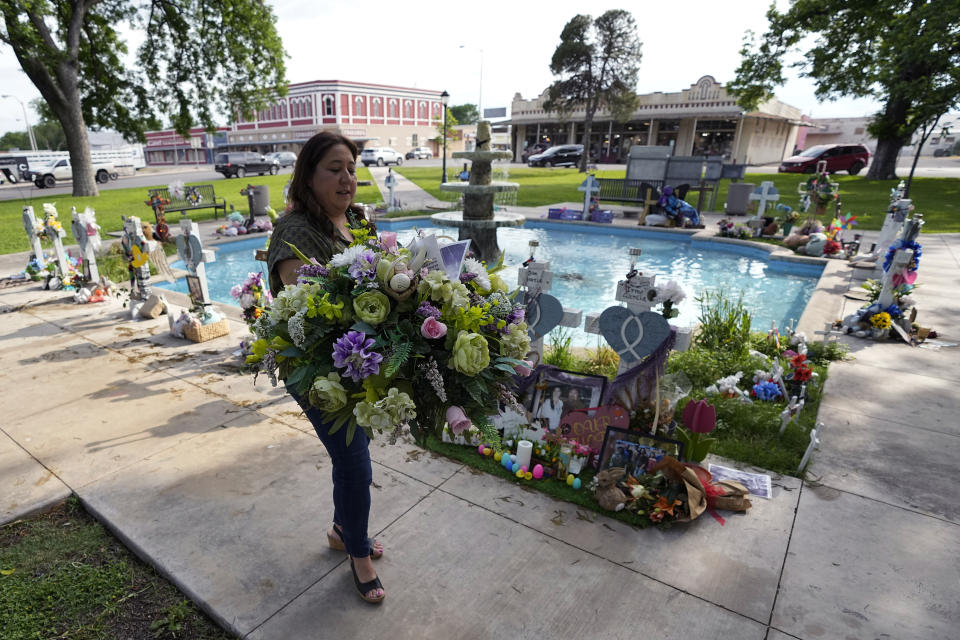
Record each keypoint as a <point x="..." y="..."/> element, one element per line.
<point x="699" y="417"/>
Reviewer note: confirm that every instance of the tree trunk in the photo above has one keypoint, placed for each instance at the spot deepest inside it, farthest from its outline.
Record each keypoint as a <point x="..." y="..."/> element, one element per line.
<point x="76" y="132"/>
<point x="587" y="130"/>
<point x="884" y="163"/>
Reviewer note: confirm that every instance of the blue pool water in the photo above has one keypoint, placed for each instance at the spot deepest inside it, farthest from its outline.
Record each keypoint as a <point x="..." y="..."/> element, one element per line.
<point x="587" y="265"/>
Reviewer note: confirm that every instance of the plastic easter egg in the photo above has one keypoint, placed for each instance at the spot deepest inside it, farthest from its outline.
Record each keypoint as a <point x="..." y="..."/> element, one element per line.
<point x="480" y="449"/>
<point x="524" y="469"/>
<point x="537" y="471"/>
<point x="505" y="461"/>
<point x="488" y="451"/>
<point x="576" y="483"/>
<point x="498" y="456"/>
<point x="528" y="476"/>
<point x="569" y="480"/>
<point x="519" y="473"/>
<point x="513" y="457"/>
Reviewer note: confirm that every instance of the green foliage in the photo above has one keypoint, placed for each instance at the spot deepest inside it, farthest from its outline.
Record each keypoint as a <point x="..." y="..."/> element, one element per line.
<point x="596" y="65"/>
<point x="186" y="69"/>
<point x="465" y="113"/>
<point x="724" y="324"/>
<point x="823" y="354"/>
<point x="901" y="52"/>
<point x="602" y="361"/>
<point x="438" y="124"/>
<point x="559" y="352"/>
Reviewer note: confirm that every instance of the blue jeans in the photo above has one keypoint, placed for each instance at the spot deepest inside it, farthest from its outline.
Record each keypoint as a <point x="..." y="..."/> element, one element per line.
<point x="352" y="475"/>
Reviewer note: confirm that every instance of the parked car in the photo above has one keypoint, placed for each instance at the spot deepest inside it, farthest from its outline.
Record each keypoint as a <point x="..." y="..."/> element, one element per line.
<point x="419" y="153"/>
<point x="564" y="155"/>
<point x="283" y="158"/>
<point x="380" y="156"/>
<point x="237" y="164"/>
<point x="533" y="150"/>
<point x="851" y="158"/>
<point x="47" y="175"/>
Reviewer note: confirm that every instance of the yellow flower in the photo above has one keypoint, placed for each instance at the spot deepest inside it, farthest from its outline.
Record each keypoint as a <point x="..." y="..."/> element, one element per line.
<point x="880" y="320"/>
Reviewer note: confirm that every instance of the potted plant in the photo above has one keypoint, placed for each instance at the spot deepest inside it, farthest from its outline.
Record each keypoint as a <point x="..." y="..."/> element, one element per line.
<point x="788" y="219"/>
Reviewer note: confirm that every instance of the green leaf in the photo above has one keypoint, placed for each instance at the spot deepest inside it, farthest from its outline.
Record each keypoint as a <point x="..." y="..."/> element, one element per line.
<point x="397" y="358"/>
<point x="363" y="327"/>
<point x="292" y="352"/>
<point x="298" y="253"/>
<point x="504" y="367"/>
<point x="350" y="431"/>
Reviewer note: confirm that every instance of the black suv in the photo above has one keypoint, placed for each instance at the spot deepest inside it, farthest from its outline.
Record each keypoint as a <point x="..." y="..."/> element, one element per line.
<point x="237" y="164"/>
<point x="563" y="155"/>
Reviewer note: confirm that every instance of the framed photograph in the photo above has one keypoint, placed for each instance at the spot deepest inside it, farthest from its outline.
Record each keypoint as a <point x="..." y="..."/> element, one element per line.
<point x="634" y="451"/>
<point x="196" y="293"/>
<point x="560" y="392"/>
<point x="758" y="484"/>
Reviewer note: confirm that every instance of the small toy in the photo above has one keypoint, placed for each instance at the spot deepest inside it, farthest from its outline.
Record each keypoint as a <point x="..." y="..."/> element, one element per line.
<point x="608" y="495"/>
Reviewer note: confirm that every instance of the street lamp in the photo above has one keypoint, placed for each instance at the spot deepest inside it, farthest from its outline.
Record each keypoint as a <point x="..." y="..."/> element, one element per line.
<point x="444" y="99"/>
<point x="480" y="94"/>
<point x="26" y="121"/>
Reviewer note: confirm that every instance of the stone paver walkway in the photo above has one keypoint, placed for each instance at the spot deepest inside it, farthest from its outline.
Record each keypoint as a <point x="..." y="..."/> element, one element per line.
<point x="222" y="485"/>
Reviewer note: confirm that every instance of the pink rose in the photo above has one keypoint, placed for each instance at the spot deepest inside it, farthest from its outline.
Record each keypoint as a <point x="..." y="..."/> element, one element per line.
<point x="457" y="420"/>
<point x="388" y="240"/>
<point x="433" y="328"/>
<point x="524" y="369"/>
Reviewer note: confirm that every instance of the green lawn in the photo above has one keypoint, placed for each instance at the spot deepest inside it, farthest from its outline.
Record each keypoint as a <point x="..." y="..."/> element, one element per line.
<point x="110" y="205"/>
<point x="937" y="198"/>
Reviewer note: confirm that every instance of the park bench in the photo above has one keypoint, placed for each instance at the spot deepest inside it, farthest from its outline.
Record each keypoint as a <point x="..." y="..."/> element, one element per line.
<point x="198" y="197"/>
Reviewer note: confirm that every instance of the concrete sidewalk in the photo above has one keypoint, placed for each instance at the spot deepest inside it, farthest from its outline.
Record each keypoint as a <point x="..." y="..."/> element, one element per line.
<point x="222" y="485"/>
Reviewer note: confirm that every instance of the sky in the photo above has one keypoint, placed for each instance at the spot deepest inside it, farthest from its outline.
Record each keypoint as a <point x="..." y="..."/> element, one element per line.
<point x="440" y="46"/>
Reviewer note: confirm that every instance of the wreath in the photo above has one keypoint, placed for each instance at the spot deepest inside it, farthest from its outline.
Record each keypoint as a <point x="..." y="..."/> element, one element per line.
<point x="194" y="197"/>
<point x="903" y="244"/>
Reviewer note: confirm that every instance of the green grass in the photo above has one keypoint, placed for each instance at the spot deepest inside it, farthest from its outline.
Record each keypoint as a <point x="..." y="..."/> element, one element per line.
<point x="112" y="204"/>
<point x="62" y="575"/>
<point x="937" y="198"/>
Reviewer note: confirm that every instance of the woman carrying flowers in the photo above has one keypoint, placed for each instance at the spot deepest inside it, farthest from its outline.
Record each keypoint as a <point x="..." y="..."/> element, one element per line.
<point x="321" y="198"/>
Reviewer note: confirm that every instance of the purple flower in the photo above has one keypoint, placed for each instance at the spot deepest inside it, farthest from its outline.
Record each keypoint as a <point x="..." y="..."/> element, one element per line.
<point x="515" y="316"/>
<point x="312" y="271"/>
<point x="364" y="267"/>
<point x="467" y="277"/>
<point x="351" y="352"/>
<point x="428" y="310"/>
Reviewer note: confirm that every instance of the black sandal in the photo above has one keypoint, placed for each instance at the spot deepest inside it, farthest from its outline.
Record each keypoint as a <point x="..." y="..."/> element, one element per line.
<point x="366" y="587"/>
<point x="338" y="543"/>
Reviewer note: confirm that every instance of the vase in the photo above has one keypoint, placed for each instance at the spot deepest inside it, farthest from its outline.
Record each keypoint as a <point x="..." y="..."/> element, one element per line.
<point x="563" y="461"/>
<point x="787" y="226"/>
<point x="576" y="464"/>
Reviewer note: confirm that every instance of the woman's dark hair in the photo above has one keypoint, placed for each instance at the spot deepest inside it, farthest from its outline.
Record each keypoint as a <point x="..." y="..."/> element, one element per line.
<point x="300" y="196"/>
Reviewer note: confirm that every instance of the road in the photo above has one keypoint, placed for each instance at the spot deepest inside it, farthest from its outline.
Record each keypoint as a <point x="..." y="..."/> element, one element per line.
<point x="929" y="167"/>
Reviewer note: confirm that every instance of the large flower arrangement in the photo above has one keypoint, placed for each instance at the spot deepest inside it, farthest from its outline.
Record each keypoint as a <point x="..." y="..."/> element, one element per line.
<point x="252" y="296"/>
<point x="382" y="337"/>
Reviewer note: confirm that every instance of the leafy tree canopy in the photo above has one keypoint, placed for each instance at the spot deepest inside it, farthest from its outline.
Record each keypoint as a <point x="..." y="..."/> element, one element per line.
<point x="451" y="123"/>
<point x="903" y="53"/>
<point x="200" y="57"/>
<point x="596" y="65"/>
<point x="465" y="113"/>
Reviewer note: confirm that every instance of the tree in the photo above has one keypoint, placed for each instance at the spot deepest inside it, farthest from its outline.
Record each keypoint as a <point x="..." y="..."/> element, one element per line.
<point x="596" y="63"/>
<point x="465" y="113"/>
<point x="48" y="133"/>
<point x="199" y="57"/>
<point x="903" y="53"/>
<point x="925" y="130"/>
<point x="451" y="123"/>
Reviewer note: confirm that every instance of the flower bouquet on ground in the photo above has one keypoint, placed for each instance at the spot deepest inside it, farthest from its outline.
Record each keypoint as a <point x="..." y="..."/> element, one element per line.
<point x="384" y="337"/>
<point x="252" y="296"/>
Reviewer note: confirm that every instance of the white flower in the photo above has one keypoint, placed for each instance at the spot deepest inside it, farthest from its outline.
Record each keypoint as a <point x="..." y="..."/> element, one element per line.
<point x="671" y="291"/>
<point x="474" y="266"/>
<point x="176" y="189"/>
<point x="347" y="257"/>
<point x="292" y="300"/>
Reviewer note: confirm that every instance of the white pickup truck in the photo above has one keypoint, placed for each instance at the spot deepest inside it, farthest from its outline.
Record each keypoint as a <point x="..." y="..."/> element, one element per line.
<point x="47" y="175"/>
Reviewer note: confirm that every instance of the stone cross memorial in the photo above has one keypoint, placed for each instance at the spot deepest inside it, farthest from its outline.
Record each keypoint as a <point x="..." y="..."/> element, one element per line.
<point x="54" y="231"/>
<point x="544" y="312"/>
<point x="86" y="232"/>
<point x="136" y="249"/>
<point x="194" y="256"/>
<point x="764" y="195"/>
<point x="589" y="187"/>
<point x="34" y="229"/>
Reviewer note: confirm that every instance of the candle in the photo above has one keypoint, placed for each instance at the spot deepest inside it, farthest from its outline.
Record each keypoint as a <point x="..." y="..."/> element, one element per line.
<point x="524" y="453"/>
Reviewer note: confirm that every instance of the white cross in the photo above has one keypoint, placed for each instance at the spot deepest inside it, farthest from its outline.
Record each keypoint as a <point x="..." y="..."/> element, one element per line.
<point x="814" y="444"/>
<point x="827" y="332"/>
<point x="791" y="413"/>
<point x="763" y="195"/>
<point x="34" y="229"/>
<point x="589" y="187"/>
<point x="82" y="226"/>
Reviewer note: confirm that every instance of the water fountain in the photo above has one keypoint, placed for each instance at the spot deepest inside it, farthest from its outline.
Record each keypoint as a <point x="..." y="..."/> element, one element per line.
<point x="478" y="221"/>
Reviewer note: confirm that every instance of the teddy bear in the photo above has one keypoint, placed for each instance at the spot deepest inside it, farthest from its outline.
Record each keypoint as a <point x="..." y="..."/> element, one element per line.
<point x="607" y="494"/>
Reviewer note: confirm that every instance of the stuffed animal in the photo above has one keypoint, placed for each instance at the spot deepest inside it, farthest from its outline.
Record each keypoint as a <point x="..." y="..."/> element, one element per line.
<point x="607" y="494"/>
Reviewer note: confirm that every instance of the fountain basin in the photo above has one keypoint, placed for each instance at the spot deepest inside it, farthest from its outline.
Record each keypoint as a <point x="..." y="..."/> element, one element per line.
<point x="489" y="156"/>
<point x="500" y="219"/>
<point x="493" y="187"/>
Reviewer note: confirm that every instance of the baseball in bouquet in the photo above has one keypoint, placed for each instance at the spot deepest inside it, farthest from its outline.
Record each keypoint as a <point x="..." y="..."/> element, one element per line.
<point x="385" y="337"/>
